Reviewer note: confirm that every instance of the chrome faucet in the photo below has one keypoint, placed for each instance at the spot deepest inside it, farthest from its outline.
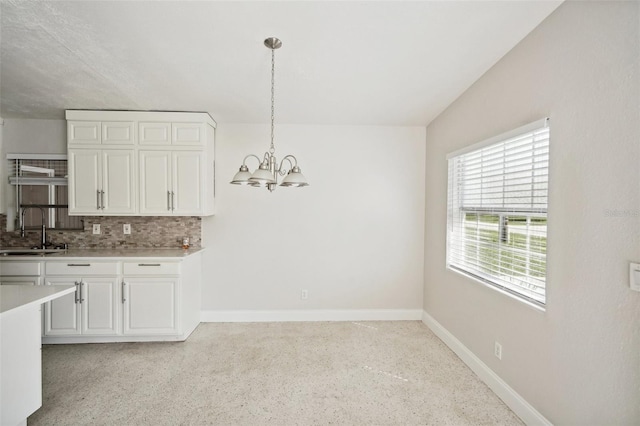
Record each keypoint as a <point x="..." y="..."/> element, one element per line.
<point x="43" y="237"/>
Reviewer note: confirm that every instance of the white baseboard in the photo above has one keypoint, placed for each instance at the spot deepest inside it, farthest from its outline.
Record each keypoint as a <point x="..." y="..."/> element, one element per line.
<point x="313" y="315"/>
<point x="518" y="404"/>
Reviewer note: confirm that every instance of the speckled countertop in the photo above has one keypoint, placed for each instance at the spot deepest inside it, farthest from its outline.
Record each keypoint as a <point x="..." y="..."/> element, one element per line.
<point x="158" y="253"/>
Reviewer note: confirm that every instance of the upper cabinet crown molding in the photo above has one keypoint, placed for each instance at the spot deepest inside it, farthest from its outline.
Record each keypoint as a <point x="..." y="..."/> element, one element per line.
<point x="95" y="115"/>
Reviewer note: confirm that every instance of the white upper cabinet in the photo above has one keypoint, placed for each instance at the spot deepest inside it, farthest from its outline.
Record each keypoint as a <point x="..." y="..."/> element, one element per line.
<point x="101" y="182"/>
<point x="118" y="133"/>
<point x="141" y="163"/>
<point x="81" y="133"/>
<point x="84" y="132"/>
<point x="150" y="133"/>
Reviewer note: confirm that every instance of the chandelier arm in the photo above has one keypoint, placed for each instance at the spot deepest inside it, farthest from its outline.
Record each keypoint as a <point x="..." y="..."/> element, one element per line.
<point x="244" y="162"/>
<point x="288" y="158"/>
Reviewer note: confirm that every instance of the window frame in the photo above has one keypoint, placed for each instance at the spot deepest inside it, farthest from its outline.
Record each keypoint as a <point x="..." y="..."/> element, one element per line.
<point x="527" y="286"/>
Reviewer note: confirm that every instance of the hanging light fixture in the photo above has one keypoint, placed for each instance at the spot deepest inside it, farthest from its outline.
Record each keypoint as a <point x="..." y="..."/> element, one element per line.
<point x="268" y="170"/>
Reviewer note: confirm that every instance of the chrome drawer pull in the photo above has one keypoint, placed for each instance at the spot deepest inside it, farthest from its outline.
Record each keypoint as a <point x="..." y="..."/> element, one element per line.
<point x="78" y="264"/>
<point x="148" y="264"/>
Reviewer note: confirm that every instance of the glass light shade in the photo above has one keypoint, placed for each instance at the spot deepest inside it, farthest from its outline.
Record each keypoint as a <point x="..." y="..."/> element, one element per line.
<point x="295" y="178"/>
<point x="242" y="177"/>
<point x="261" y="176"/>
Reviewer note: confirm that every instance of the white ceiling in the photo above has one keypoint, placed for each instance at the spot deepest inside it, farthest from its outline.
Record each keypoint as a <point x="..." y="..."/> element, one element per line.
<point x="342" y="62"/>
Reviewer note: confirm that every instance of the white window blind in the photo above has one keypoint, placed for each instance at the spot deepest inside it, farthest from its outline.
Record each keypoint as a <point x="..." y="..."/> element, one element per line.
<point x="497" y="211"/>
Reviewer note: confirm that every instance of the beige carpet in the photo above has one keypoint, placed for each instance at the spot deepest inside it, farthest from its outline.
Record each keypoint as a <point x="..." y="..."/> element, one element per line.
<point x="345" y="373"/>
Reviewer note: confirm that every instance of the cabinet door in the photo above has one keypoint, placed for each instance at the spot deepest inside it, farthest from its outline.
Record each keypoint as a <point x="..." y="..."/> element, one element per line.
<point x="83" y="132"/>
<point x="188" y="134"/>
<point x="151" y="133"/>
<point x="99" y="305"/>
<point x="118" y="132"/>
<point x="155" y="182"/>
<point x="62" y="315"/>
<point x="187" y="183"/>
<point x="118" y="182"/>
<point x="150" y="306"/>
<point x="85" y="171"/>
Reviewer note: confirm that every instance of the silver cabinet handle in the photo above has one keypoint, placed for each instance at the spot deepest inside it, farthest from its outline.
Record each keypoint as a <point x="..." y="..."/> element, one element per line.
<point x="98" y="200"/>
<point x="81" y="295"/>
<point x="123" y="298"/>
<point x="173" y="206"/>
<point x="148" y="264"/>
<point x="102" y="200"/>
<point x="77" y="284"/>
<point x="169" y="200"/>
<point x="78" y="264"/>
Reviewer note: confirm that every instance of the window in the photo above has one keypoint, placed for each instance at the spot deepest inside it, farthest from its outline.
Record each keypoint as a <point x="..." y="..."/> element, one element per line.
<point x="40" y="182"/>
<point x="497" y="211"/>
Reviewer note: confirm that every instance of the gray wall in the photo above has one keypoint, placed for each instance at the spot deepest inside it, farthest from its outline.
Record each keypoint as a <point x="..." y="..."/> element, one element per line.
<point x="578" y="362"/>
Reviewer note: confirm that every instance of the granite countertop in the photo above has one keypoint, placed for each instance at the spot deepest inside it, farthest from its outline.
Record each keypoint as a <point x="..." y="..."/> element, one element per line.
<point x="155" y="253"/>
<point x="18" y="296"/>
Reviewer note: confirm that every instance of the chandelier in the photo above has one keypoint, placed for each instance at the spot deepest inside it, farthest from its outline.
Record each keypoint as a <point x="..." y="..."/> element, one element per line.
<point x="268" y="171"/>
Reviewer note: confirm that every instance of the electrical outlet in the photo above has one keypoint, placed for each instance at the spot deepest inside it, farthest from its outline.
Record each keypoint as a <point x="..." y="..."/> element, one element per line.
<point x="126" y="229"/>
<point x="304" y="295"/>
<point x="96" y="228"/>
<point x="497" y="350"/>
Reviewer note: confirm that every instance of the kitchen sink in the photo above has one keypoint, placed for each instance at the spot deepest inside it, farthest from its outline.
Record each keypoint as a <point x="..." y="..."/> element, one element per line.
<point x="30" y="252"/>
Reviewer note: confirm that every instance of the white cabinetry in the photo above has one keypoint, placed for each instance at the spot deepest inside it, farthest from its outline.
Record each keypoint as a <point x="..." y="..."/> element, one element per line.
<point x="92" y="309"/>
<point x="103" y="182"/>
<point x="96" y="132"/>
<point x="140" y="163"/>
<point x="150" y="305"/>
<point x="123" y="299"/>
<point x="171" y="182"/>
<point x="20" y="273"/>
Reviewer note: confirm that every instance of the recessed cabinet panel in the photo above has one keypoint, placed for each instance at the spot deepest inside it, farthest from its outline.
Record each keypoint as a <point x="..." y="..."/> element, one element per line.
<point x="118" y="182"/>
<point x="83" y="132"/>
<point x="19" y="280"/>
<point x="118" y="132"/>
<point x="154" y="133"/>
<point x="188" y="133"/>
<point x="187" y="182"/>
<point x="150" y="306"/>
<point x="155" y="185"/>
<point x="20" y="268"/>
<point x="99" y="309"/>
<point x="86" y="168"/>
<point x="62" y="315"/>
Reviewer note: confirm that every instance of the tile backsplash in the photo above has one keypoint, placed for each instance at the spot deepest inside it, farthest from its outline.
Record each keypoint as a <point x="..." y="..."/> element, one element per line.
<point x="146" y="232"/>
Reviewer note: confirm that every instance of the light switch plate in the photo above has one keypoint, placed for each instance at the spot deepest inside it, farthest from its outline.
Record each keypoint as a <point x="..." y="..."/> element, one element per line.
<point x="96" y="228"/>
<point x="634" y="276"/>
<point x="126" y="229"/>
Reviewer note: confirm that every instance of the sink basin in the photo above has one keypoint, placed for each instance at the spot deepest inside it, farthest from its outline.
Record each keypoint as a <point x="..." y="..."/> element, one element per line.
<point x="30" y="252"/>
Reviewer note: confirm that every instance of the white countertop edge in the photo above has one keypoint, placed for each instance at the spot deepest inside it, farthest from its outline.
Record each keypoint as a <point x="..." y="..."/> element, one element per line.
<point x="110" y="254"/>
<point x="15" y="297"/>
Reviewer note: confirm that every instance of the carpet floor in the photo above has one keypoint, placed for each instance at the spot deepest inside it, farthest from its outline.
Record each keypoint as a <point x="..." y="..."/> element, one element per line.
<point x="339" y="373"/>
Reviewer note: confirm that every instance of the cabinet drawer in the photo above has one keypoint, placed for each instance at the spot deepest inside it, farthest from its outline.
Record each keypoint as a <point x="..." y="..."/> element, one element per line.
<point x="19" y="268"/>
<point x="151" y="268"/>
<point x="81" y="267"/>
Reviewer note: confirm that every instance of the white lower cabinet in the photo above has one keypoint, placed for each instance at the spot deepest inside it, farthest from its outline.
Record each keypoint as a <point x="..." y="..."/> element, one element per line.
<point x="150" y="305"/>
<point x="123" y="300"/>
<point x="91" y="310"/>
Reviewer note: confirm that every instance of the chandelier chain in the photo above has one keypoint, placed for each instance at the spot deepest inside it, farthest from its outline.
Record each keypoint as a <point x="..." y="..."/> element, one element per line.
<point x="273" y="97"/>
